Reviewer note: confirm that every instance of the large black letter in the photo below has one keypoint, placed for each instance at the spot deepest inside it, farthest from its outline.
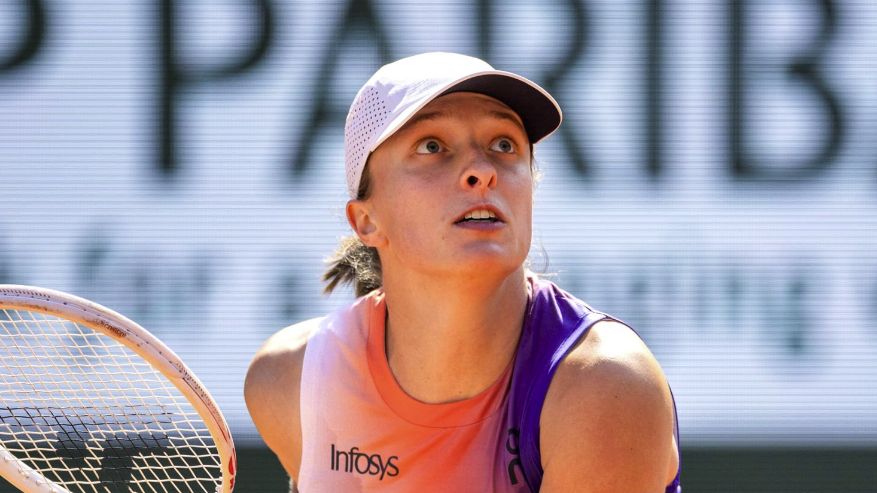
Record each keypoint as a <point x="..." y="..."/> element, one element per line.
<point x="552" y="80"/>
<point x="360" y="13"/>
<point x="654" y="87"/>
<point x="31" y="38"/>
<point x="174" y="77"/>
<point x="804" y="69"/>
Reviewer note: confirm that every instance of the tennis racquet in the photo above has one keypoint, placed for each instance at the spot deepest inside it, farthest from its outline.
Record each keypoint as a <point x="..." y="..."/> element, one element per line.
<point x="92" y="402"/>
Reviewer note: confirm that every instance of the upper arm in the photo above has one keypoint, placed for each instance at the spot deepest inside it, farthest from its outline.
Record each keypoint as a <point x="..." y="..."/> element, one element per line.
<point x="607" y="421"/>
<point x="271" y="391"/>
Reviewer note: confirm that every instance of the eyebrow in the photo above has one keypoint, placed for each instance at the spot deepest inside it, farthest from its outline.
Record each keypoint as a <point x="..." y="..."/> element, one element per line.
<point x="422" y="117"/>
<point x="436" y="115"/>
<point x="505" y="115"/>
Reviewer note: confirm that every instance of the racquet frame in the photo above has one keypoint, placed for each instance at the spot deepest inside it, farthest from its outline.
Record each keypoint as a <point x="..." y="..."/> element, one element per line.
<point x="138" y="340"/>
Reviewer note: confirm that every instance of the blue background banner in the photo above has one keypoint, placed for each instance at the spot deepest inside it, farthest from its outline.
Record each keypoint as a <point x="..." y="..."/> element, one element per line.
<point x="714" y="182"/>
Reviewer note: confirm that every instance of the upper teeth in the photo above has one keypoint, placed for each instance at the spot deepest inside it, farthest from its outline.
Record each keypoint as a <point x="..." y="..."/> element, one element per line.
<point x="480" y="214"/>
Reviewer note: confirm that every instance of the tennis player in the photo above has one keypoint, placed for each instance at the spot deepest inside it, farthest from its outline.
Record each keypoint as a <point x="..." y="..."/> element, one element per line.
<point x="456" y="368"/>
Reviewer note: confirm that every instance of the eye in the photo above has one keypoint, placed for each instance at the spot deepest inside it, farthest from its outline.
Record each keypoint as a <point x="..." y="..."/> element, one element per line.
<point x="503" y="145"/>
<point x="429" y="146"/>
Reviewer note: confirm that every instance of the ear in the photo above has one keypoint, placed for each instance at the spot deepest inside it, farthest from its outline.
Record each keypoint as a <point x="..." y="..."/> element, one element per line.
<point x="363" y="220"/>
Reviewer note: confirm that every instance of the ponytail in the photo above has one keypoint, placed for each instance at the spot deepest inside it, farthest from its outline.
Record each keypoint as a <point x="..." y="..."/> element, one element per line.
<point x="353" y="263"/>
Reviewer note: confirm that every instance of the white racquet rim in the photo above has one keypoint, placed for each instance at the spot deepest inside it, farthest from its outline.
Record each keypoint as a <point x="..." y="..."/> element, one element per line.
<point x="137" y="339"/>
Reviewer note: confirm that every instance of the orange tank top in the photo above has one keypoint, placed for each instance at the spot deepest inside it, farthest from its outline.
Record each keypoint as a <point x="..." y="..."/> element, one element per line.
<point x="362" y="432"/>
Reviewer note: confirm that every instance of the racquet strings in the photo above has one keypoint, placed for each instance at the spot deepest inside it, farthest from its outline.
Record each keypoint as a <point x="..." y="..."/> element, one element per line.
<point x="93" y="416"/>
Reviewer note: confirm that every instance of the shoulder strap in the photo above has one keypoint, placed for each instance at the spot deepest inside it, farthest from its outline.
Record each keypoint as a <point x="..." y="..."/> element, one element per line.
<point x="556" y="320"/>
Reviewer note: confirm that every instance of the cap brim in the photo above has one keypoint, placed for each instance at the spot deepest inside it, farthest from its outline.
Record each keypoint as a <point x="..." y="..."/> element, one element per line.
<point x="539" y="112"/>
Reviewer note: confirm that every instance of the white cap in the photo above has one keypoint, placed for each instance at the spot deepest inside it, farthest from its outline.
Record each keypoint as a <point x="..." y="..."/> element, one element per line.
<point x="398" y="90"/>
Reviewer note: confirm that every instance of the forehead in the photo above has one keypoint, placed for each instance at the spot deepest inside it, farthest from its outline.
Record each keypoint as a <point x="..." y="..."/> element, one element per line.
<point x="463" y="104"/>
<point x="465" y="99"/>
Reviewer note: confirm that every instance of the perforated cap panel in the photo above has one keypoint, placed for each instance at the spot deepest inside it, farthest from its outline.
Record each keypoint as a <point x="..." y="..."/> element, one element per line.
<point x="367" y="118"/>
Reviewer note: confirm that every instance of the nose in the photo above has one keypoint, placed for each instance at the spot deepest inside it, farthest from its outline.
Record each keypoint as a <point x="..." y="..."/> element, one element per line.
<point x="480" y="172"/>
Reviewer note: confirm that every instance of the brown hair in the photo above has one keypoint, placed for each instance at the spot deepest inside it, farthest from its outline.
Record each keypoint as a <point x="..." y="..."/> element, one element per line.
<point x="356" y="263"/>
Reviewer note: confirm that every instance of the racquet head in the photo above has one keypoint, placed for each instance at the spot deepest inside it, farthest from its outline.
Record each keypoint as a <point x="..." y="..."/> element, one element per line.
<point x="92" y="402"/>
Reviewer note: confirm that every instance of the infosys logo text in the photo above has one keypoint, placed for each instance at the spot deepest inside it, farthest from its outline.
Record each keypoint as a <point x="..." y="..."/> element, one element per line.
<point x="359" y="462"/>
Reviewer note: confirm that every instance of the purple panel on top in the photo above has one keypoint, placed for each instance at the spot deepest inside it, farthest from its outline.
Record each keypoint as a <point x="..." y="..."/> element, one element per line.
<point x="555" y="321"/>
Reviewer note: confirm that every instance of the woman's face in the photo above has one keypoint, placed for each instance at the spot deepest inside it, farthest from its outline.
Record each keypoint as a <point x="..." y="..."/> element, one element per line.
<point x="452" y="190"/>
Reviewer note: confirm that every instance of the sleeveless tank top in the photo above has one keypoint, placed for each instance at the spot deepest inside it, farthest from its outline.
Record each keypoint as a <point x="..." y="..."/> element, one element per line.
<point x="362" y="432"/>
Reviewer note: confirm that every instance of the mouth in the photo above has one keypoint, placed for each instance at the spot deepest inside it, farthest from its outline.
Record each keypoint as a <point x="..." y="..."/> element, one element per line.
<point x="481" y="215"/>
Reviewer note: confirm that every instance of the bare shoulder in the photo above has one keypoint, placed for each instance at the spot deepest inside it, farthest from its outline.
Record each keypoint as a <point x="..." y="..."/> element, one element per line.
<point x="289" y="342"/>
<point x="279" y="358"/>
<point x="271" y="390"/>
<point x="607" y="421"/>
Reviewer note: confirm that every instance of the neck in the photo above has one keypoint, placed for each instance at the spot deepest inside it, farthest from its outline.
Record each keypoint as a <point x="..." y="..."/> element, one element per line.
<point x="449" y="339"/>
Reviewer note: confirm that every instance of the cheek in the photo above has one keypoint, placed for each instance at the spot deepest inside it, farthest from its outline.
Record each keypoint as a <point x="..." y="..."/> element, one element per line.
<point x="522" y="197"/>
<point x="409" y="213"/>
<point x="521" y="184"/>
<point x="527" y="228"/>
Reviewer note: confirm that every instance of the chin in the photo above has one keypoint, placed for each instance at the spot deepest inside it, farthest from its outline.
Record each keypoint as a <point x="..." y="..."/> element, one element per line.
<point x="490" y="263"/>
